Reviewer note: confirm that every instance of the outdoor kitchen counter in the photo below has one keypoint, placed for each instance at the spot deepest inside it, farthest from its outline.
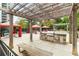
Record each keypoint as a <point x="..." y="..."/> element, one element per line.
<point x="59" y="33"/>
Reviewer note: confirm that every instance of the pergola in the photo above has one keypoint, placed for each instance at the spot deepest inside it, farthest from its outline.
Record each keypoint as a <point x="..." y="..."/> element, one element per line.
<point x="45" y="11"/>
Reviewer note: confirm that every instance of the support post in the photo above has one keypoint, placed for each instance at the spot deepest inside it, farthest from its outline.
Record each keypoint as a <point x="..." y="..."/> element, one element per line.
<point x="31" y="31"/>
<point x="73" y="26"/>
<point x="28" y="30"/>
<point x="40" y="29"/>
<point x="70" y="29"/>
<point x="11" y="31"/>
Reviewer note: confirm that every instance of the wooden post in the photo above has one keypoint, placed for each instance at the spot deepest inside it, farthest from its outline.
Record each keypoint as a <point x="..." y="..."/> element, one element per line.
<point x="31" y="31"/>
<point x="70" y="29"/>
<point x="40" y="29"/>
<point x="73" y="23"/>
<point x="11" y="31"/>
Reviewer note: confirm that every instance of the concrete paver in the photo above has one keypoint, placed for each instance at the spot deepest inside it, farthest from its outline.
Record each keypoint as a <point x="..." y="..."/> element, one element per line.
<point x="56" y="49"/>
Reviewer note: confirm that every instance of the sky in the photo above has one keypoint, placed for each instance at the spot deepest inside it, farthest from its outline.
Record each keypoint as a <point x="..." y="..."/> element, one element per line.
<point x="15" y="18"/>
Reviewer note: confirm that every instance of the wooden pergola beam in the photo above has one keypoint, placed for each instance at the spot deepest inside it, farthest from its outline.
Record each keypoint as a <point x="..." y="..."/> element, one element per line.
<point x="73" y="29"/>
<point x="11" y="31"/>
<point x="40" y="8"/>
<point x="23" y="12"/>
<point x="27" y="8"/>
<point x="21" y="6"/>
<point x="43" y="14"/>
<point x="34" y="16"/>
<point x="55" y="12"/>
<point x="13" y="13"/>
<point x="62" y="12"/>
<point x="49" y="10"/>
<point x="14" y="6"/>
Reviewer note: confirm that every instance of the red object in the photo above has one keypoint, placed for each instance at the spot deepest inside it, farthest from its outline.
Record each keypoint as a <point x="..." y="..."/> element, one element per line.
<point x="20" y="31"/>
<point x="14" y="32"/>
<point x="3" y="25"/>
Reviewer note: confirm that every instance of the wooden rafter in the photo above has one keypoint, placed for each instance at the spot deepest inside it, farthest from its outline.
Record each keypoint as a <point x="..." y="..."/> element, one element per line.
<point x="40" y="8"/>
<point x="43" y="10"/>
<point x="14" y="6"/>
<point x="21" y="6"/>
<point x="49" y="10"/>
<point x="53" y="14"/>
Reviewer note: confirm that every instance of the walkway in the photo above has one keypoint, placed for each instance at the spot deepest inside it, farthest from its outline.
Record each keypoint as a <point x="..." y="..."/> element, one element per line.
<point x="56" y="49"/>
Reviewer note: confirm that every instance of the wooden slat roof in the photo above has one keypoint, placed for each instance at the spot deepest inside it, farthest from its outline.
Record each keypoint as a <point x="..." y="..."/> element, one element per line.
<point x="39" y="10"/>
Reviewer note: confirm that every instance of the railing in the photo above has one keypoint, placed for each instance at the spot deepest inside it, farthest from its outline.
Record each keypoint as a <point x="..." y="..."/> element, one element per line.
<point x="5" y="50"/>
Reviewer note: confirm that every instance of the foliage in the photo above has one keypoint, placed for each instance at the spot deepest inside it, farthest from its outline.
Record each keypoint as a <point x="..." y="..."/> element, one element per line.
<point x="48" y="23"/>
<point x="23" y="23"/>
<point x="62" y="20"/>
<point x="35" y="22"/>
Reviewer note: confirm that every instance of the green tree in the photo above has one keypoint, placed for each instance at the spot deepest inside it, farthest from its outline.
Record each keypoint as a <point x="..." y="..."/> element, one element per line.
<point x="23" y="23"/>
<point x="64" y="19"/>
<point x="61" y="21"/>
<point x="48" y="23"/>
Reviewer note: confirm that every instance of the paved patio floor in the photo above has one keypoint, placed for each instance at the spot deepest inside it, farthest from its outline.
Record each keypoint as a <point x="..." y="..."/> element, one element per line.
<point x="56" y="49"/>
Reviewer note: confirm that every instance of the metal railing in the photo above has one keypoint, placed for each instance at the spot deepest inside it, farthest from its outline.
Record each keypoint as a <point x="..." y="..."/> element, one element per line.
<point x="5" y="50"/>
